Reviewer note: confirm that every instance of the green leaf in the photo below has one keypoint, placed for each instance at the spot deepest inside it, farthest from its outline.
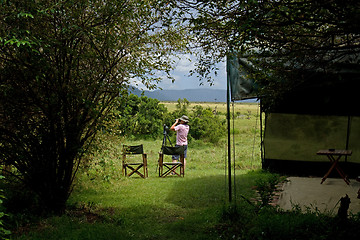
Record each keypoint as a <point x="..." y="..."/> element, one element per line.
<point x="25" y="15"/>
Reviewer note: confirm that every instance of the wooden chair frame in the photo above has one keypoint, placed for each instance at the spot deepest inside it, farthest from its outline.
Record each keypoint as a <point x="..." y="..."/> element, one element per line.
<point x="166" y="168"/>
<point x="134" y="167"/>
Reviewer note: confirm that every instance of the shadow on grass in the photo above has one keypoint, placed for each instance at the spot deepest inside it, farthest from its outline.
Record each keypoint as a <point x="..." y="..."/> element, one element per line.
<point x="181" y="208"/>
<point x="211" y="190"/>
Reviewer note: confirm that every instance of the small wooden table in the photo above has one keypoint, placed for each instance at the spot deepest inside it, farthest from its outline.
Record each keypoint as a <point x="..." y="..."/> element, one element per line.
<point x="331" y="153"/>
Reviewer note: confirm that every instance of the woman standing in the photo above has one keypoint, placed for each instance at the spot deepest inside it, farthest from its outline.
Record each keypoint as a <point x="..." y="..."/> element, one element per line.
<point x="181" y="128"/>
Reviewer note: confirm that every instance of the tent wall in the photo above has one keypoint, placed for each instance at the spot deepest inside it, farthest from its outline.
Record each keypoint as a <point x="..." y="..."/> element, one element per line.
<point x="354" y="139"/>
<point x="319" y="113"/>
<point x="292" y="140"/>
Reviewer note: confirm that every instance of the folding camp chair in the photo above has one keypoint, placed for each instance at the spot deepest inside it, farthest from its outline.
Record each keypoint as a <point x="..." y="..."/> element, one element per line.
<point x="166" y="168"/>
<point x="131" y="161"/>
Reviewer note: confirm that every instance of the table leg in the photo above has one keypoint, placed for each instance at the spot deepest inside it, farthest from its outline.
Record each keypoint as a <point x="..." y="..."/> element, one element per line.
<point x="338" y="169"/>
<point x="331" y="168"/>
<point x="342" y="174"/>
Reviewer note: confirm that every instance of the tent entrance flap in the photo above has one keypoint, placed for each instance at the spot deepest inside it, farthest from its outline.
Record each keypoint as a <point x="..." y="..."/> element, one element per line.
<point x="241" y="85"/>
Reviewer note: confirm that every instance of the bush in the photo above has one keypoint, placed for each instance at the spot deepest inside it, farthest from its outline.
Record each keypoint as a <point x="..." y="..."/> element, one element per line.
<point x="206" y="126"/>
<point x="266" y="187"/>
<point x="143" y="117"/>
<point x="3" y="231"/>
<point x="140" y="117"/>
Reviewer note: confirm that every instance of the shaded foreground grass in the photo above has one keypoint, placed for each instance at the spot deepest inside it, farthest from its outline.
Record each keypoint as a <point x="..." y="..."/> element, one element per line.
<point x="154" y="208"/>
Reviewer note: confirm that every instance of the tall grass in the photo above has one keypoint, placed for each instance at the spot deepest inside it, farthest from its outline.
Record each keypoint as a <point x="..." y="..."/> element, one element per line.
<point x="239" y="107"/>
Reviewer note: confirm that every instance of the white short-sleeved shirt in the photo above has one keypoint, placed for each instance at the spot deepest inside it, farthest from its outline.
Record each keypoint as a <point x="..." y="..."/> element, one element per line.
<point x="182" y="131"/>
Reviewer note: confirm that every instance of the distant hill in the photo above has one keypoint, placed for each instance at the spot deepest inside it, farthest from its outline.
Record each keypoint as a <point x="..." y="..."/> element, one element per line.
<point x="192" y="95"/>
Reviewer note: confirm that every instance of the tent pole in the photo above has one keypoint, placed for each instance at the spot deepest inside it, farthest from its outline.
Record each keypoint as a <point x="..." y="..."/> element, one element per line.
<point x="262" y="147"/>
<point x="228" y="133"/>
<point x="348" y="135"/>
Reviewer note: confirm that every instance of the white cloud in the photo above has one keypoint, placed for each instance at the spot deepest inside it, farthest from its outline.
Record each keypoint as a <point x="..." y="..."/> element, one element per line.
<point x="184" y="81"/>
<point x="185" y="63"/>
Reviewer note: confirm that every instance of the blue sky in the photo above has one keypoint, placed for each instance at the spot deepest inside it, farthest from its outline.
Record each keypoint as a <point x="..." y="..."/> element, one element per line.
<point x="183" y="81"/>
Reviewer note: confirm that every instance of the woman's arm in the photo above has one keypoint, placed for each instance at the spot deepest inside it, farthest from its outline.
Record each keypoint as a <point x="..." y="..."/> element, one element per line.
<point x="173" y="126"/>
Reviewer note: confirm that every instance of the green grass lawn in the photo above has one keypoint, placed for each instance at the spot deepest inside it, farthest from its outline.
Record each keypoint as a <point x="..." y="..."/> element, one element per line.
<point x="106" y="205"/>
<point x="154" y="208"/>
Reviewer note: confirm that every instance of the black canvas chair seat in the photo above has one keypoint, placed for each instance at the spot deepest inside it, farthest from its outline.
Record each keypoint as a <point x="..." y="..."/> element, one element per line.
<point x="138" y="149"/>
<point x="134" y="163"/>
<point x="166" y="168"/>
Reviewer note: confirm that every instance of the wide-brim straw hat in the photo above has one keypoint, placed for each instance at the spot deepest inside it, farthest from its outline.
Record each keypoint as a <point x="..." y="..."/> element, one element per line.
<point x="184" y="118"/>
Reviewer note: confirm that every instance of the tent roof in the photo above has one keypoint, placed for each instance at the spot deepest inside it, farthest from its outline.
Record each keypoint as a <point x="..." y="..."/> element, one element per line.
<point x="326" y="92"/>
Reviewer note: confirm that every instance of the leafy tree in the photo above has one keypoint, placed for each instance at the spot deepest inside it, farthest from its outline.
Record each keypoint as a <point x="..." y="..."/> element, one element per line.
<point x="122" y="119"/>
<point x="181" y="107"/>
<point x="150" y="118"/>
<point x="277" y="37"/>
<point x="63" y="65"/>
<point x="140" y="117"/>
<point x="206" y="125"/>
